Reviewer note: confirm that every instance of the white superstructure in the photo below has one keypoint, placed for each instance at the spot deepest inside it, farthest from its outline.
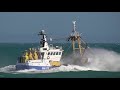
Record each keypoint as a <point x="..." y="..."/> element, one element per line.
<point x="48" y="56"/>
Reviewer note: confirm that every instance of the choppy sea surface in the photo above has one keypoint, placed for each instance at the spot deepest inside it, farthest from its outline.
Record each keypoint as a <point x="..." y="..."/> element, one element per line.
<point x="104" y="62"/>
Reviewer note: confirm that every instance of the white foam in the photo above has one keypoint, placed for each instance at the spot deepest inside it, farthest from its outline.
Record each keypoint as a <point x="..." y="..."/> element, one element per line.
<point x="100" y="60"/>
<point x="8" y="68"/>
<point x="11" y="69"/>
<point x="105" y="60"/>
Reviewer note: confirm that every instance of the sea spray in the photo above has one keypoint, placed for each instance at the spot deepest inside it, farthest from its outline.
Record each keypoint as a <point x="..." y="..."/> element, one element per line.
<point x="99" y="60"/>
<point x="62" y="68"/>
<point x="103" y="59"/>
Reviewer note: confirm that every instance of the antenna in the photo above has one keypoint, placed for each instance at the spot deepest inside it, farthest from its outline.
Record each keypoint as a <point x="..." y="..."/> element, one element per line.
<point x="50" y="39"/>
<point x="74" y="26"/>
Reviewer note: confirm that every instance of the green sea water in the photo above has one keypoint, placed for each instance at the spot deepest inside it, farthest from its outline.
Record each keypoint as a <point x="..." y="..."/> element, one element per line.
<point x="108" y="67"/>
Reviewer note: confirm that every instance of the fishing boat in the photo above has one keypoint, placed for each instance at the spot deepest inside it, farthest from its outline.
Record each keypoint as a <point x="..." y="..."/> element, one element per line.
<point x="47" y="56"/>
<point x="42" y="58"/>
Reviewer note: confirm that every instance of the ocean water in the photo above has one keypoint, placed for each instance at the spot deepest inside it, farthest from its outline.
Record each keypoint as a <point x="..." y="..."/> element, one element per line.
<point x="104" y="61"/>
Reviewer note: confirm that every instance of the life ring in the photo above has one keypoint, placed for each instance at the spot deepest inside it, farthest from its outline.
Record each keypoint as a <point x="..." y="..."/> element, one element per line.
<point x="48" y="57"/>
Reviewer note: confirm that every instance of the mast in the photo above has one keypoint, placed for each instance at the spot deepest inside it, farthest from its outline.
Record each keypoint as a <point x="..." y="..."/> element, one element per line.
<point x="43" y="42"/>
<point x="75" y="38"/>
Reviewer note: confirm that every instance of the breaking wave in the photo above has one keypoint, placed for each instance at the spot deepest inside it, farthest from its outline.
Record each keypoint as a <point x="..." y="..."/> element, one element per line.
<point x="104" y="60"/>
<point x="62" y="68"/>
<point x="99" y="60"/>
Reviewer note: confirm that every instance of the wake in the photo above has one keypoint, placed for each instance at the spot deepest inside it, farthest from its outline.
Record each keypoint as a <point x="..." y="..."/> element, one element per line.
<point x="99" y="60"/>
<point x="62" y="68"/>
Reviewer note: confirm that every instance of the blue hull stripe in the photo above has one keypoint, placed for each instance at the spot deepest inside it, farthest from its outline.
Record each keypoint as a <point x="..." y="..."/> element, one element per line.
<point x="22" y="67"/>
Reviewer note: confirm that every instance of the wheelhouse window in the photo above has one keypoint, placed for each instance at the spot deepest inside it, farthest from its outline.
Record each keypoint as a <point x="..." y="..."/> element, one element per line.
<point x="51" y="53"/>
<point x="59" y="53"/>
<point x="44" y="48"/>
<point x="56" y="53"/>
<point x="48" y="53"/>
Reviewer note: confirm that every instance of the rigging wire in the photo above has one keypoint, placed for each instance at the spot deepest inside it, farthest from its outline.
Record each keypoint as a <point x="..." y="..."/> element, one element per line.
<point x="66" y="51"/>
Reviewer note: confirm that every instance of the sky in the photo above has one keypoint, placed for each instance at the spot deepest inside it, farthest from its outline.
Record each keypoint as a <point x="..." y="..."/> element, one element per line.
<point x="96" y="27"/>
